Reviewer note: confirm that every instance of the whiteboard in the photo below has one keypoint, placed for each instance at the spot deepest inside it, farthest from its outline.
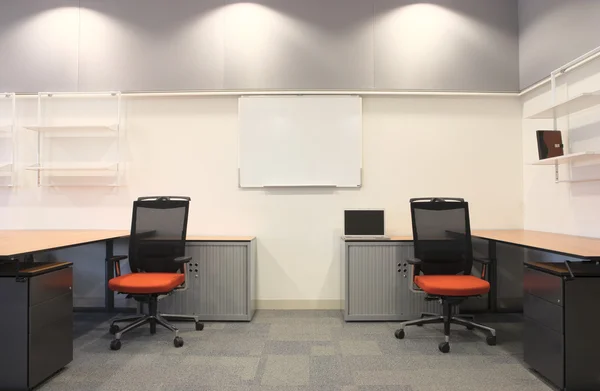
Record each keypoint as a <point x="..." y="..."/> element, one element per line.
<point x="300" y="141"/>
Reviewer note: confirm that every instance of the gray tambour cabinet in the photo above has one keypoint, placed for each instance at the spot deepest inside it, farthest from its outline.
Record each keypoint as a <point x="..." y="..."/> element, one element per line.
<point x="376" y="281"/>
<point x="221" y="283"/>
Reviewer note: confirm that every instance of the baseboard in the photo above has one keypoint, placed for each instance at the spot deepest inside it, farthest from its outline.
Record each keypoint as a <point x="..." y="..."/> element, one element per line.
<point x="88" y="302"/>
<point x="97" y="302"/>
<point x="327" y="304"/>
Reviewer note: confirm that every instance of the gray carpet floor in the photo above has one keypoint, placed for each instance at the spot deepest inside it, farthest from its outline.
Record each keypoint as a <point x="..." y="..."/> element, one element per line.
<point x="297" y="350"/>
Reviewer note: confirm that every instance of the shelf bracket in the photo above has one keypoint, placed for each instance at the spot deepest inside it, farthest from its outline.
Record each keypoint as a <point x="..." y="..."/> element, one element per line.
<point x="556" y="177"/>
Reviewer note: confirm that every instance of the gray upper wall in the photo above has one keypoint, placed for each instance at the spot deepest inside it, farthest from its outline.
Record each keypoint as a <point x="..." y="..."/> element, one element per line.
<point x="554" y="32"/>
<point x="154" y="45"/>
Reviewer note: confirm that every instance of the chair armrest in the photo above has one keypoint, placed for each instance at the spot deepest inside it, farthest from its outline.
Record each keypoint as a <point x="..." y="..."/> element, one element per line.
<point x="483" y="261"/>
<point x="484" y="265"/>
<point x="182" y="259"/>
<point x="116" y="260"/>
<point x="415" y="270"/>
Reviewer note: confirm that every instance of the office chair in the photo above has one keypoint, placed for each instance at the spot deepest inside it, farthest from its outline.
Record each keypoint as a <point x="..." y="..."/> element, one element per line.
<point x="157" y="262"/>
<point x="443" y="262"/>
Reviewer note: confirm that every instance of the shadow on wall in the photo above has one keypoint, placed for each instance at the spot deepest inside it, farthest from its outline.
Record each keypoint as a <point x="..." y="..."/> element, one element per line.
<point x="35" y="9"/>
<point x="335" y="267"/>
<point x="278" y="275"/>
<point x="153" y="21"/>
<point x="586" y="133"/>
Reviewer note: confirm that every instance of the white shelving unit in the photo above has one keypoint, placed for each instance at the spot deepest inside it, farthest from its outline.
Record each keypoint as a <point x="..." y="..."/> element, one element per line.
<point x="5" y="169"/>
<point x="64" y="156"/>
<point x="7" y="139"/>
<point x="578" y="180"/>
<point x="574" y="105"/>
<point x="579" y="157"/>
<point x="565" y="159"/>
<point x="75" y="167"/>
<point x="74" y="128"/>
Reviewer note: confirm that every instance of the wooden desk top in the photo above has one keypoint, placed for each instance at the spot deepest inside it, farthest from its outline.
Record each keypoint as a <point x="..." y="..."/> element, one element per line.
<point x="554" y="268"/>
<point x="18" y="242"/>
<point x="578" y="246"/>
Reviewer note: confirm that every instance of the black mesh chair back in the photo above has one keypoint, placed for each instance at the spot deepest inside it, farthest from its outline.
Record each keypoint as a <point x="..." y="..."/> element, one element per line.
<point x="442" y="235"/>
<point x="158" y="233"/>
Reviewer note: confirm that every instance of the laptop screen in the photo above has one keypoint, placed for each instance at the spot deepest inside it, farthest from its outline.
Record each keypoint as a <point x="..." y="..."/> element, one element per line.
<point x="364" y="222"/>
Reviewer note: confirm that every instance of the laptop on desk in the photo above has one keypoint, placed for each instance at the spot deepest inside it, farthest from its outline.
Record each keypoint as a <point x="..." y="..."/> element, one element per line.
<point x="367" y="224"/>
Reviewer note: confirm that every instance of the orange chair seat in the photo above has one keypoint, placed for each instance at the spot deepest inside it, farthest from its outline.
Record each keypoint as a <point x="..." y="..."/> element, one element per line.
<point x="444" y="285"/>
<point x="146" y="283"/>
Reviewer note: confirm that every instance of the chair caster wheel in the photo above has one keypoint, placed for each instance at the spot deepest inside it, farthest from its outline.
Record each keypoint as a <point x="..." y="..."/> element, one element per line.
<point x="115" y="344"/>
<point x="114" y="329"/>
<point x="444" y="347"/>
<point x="178" y="342"/>
<point x="199" y="326"/>
<point x="470" y="328"/>
<point x="491" y="340"/>
<point x="399" y="334"/>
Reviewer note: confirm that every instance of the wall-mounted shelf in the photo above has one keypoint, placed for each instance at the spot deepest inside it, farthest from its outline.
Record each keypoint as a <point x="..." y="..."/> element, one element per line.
<point x="7" y="139"/>
<point x="571" y="106"/>
<point x="579" y="180"/>
<point x="6" y="169"/>
<point x="568" y="159"/>
<point x="576" y="104"/>
<point x="74" y="128"/>
<point x="77" y="175"/>
<point x="109" y="167"/>
<point x="64" y="158"/>
<point x="572" y="157"/>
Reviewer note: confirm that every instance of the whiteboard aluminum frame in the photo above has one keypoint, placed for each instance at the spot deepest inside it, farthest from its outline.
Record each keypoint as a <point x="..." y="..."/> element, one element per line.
<point x="275" y="186"/>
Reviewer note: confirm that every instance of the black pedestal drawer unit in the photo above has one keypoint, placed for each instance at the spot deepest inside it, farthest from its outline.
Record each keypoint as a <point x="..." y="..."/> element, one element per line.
<point x="36" y="331"/>
<point x="562" y="323"/>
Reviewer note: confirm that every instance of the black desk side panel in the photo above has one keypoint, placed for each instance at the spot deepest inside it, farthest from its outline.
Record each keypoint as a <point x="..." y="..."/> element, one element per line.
<point x="14" y="309"/>
<point x="582" y="333"/>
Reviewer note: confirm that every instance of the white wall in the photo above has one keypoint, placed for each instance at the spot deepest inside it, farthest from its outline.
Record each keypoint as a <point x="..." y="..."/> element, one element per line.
<point x="552" y="33"/>
<point x="150" y="45"/>
<point x="413" y="146"/>
<point x="564" y="208"/>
